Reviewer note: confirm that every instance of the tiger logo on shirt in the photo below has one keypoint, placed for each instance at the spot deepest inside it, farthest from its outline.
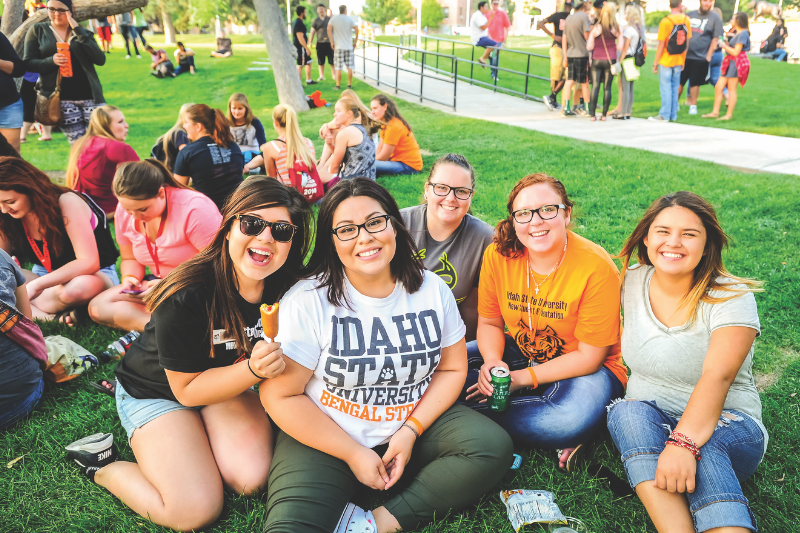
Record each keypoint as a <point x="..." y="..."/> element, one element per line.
<point x="540" y="347"/>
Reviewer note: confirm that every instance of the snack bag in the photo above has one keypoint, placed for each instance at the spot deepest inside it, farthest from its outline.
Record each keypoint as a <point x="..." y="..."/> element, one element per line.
<point x="66" y="68"/>
<point x="530" y="506"/>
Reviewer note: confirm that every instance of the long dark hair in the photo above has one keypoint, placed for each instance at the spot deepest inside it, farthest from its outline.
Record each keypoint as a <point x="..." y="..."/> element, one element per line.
<point x="214" y="122"/>
<point x="141" y="180"/>
<point x="325" y="262"/>
<point x="21" y="177"/>
<point x="391" y="110"/>
<point x="213" y="268"/>
<point x="710" y="268"/>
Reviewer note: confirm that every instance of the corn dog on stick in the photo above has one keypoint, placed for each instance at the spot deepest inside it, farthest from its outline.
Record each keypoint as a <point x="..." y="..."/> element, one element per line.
<point x="269" y="321"/>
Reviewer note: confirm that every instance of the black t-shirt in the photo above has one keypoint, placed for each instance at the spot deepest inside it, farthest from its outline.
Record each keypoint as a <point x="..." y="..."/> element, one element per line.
<point x="556" y="19"/>
<point x="299" y="27"/>
<point x="76" y="87"/>
<point x="215" y="171"/>
<point x="177" y="339"/>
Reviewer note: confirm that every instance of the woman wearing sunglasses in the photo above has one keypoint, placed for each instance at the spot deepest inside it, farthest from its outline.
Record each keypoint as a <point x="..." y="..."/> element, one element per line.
<point x="159" y="224"/>
<point x="183" y="394"/>
<point x="451" y="241"/>
<point x="374" y="364"/>
<point x="558" y="295"/>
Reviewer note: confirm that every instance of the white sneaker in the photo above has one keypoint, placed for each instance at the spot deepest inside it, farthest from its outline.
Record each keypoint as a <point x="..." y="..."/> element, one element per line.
<point x="138" y="56"/>
<point x="657" y="118"/>
<point x="692" y="109"/>
<point x="354" y="519"/>
<point x="321" y="78"/>
<point x="128" y="56"/>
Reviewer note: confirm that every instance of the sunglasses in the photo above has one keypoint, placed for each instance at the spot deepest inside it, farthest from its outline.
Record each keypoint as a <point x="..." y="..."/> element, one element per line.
<point x="252" y="226"/>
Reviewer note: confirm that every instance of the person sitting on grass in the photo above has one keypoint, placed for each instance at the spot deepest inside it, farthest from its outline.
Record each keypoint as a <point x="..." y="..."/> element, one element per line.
<point x="183" y="389"/>
<point x="735" y="67"/>
<point x="159" y="224"/>
<point x="21" y="378"/>
<point x="351" y="153"/>
<point x="63" y="233"/>
<point x="185" y="58"/>
<point x="247" y="131"/>
<point x="173" y="141"/>
<point x="161" y="67"/>
<point x="479" y="32"/>
<point x="548" y="307"/>
<point x="224" y="46"/>
<point x="365" y="277"/>
<point x="690" y="431"/>
<point x="213" y="161"/>
<point x="398" y="151"/>
<point x="450" y="240"/>
<point x="94" y="157"/>
<point x="289" y="146"/>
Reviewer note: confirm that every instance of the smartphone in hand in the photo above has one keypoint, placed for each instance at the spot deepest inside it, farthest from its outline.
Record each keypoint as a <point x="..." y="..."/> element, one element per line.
<point x="130" y="291"/>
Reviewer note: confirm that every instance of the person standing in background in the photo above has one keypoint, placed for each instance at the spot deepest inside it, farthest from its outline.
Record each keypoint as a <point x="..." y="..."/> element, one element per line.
<point x="104" y="31"/>
<point x="11" y="114"/>
<point x="558" y="74"/>
<point x="128" y="34"/>
<point x="340" y="28"/>
<point x="324" y="50"/>
<point x="28" y="94"/>
<point x="576" y="56"/>
<point x="140" y="24"/>
<point x="735" y="66"/>
<point x="498" y="31"/>
<point x="632" y="33"/>
<point x="706" y="29"/>
<point x="674" y="34"/>
<point x="300" y="39"/>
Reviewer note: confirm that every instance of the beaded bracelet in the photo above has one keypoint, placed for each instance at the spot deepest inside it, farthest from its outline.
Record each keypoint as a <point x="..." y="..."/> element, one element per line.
<point x="680" y="436"/>
<point x="692" y="449"/>
<point x="409" y="426"/>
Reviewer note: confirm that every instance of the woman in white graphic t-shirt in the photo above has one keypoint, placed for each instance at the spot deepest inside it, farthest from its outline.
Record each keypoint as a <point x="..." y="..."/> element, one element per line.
<point x="375" y="359"/>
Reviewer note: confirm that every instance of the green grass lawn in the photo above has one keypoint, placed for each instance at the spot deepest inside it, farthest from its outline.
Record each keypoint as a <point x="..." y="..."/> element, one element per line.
<point x="611" y="186"/>
<point x="763" y="107"/>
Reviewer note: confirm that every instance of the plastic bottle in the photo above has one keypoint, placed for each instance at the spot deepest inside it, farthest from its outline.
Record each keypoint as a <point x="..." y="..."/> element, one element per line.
<point x="119" y="347"/>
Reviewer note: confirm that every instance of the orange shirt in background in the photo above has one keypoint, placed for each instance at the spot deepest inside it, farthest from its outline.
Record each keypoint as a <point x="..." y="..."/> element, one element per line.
<point x="664" y="30"/>
<point x="406" y="149"/>
<point x="579" y="303"/>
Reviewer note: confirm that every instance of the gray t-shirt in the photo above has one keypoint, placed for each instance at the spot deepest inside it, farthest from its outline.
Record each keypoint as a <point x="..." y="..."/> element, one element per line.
<point x="125" y="19"/>
<point x="705" y="28"/>
<point x="342" y="27"/>
<point x="666" y="363"/>
<point x="574" y="26"/>
<point x="321" y="27"/>
<point x="11" y="277"/>
<point x="456" y="260"/>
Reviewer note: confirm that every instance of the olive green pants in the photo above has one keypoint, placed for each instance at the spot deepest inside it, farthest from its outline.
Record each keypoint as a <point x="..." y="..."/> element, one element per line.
<point x="455" y="461"/>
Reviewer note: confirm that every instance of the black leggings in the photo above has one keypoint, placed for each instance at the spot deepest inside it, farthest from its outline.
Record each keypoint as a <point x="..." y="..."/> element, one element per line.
<point x="601" y="73"/>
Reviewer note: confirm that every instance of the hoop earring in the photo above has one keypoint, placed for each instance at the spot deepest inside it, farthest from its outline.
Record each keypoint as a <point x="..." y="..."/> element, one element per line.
<point x="425" y="197"/>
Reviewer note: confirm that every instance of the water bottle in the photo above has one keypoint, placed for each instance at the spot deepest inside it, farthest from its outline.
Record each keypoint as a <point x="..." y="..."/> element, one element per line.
<point x="117" y="349"/>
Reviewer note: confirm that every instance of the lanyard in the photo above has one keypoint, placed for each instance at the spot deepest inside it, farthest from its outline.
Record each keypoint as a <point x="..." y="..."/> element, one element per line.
<point x="44" y="255"/>
<point x="153" y="248"/>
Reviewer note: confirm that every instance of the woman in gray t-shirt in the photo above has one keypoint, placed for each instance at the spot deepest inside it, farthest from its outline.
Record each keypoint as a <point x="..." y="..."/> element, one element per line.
<point x="689" y="329"/>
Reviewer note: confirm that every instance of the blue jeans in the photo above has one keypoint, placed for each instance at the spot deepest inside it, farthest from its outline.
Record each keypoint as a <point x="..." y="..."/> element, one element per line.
<point x="394" y="168"/>
<point x="714" y="67"/>
<point x="188" y="62"/>
<point x="11" y="116"/>
<point x="110" y="272"/>
<point x="556" y="415"/>
<point x="135" y="413"/>
<point x="669" y="79"/>
<point x="778" y="54"/>
<point x="731" y="455"/>
<point x="22" y="407"/>
<point x="494" y="60"/>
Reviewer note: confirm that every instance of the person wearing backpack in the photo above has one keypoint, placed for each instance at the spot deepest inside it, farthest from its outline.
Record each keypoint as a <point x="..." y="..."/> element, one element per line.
<point x="633" y="45"/>
<point x="674" y="33"/>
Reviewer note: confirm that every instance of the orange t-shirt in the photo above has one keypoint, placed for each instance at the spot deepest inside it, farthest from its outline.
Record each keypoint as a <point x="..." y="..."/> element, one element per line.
<point x="664" y="30"/>
<point x="406" y="149"/>
<point x="578" y="303"/>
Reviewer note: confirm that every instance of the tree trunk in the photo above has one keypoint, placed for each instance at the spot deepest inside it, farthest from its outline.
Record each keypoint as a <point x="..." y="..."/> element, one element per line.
<point x="169" y="27"/>
<point x="270" y="21"/>
<point x="82" y="10"/>
<point x="12" y="16"/>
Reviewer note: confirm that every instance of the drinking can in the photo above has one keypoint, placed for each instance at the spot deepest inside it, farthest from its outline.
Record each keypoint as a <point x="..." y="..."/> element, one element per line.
<point x="66" y="68"/>
<point x="501" y="382"/>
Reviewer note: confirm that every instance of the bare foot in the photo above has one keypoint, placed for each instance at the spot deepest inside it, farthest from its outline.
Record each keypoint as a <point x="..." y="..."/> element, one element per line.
<point x="593" y="119"/>
<point x="565" y="453"/>
<point x="726" y="117"/>
<point x="603" y="118"/>
<point x="711" y="115"/>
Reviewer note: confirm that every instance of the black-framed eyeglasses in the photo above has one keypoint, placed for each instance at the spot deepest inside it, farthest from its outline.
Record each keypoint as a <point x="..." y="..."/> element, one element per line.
<point x="57" y="10"/>
<point x="440" y="189"/>
<point x="252" y="226"/>
<point x="546" y="212"/>
<point x="351" y="231"/>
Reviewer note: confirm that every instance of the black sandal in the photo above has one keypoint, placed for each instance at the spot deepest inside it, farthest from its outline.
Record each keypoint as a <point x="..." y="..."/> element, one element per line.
<point x="101" y="386"/>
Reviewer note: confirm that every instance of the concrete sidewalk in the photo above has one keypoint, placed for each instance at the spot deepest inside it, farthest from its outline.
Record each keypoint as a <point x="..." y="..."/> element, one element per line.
<point x="741" y="150"/>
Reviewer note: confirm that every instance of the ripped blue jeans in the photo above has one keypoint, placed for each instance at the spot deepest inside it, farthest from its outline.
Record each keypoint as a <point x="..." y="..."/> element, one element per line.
<point x="639" y="430"/>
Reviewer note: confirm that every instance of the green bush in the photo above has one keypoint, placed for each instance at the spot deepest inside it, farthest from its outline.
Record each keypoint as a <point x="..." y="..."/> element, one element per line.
<point x="652" y="20"/>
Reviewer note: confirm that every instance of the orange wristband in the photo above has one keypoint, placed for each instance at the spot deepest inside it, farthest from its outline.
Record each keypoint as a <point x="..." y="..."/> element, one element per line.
<point x="533" y="376"/>
<point x="414" y="421"/>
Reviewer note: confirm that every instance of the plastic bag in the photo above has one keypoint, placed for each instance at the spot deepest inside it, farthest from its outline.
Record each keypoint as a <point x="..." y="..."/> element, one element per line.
<point x="530" y="506"/>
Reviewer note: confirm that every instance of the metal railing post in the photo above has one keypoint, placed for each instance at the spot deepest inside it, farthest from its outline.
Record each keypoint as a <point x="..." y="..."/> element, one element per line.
<point x="378" y="66"/>
<point x="455" y="84"/>
<point x="497" y="71"/>
<point x="364" y="57"/>
<point x="437" y="52"/>
<point x="527" y="70"/>
<point x="397" y="71"/>
<point x="471" y="65"/>
<point x="422" y="75"/>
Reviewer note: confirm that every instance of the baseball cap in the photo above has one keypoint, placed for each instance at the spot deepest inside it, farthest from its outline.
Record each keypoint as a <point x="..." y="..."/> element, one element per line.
<point x="598" y="3"/>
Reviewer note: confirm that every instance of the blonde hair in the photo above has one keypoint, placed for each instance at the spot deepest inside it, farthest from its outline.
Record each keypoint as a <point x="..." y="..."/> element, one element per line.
<point x="240" y="98"/>
<point x="633" y="16"/>
<point x="99" y="126"/>
<point x="362" y="114"/>
<point x="296" y="147"/>
<point x="608" y="19"/>
<point x="165" y="139"/>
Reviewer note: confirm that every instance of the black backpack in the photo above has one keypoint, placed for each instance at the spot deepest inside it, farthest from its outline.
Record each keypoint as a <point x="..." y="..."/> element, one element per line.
<point x="678" y="43"/>
<point x="641" y="52"/>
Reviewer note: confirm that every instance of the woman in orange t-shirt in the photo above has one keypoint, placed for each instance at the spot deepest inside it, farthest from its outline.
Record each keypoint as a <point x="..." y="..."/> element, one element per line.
<point x="563" y="349"/>
<point x="398" y="151"/>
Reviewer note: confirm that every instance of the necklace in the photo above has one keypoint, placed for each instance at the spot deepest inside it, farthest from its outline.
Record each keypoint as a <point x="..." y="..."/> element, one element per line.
<point x="537" y="285"/>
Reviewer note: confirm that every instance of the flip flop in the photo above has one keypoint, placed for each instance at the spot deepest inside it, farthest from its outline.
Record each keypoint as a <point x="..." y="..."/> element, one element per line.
<point x="572" y="461"/>
<point x="99" y="385"/>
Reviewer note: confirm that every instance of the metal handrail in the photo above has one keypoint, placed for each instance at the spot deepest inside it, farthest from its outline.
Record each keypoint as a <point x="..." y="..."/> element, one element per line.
<point x="527" y="75"/>
<point x="397" y="69"/>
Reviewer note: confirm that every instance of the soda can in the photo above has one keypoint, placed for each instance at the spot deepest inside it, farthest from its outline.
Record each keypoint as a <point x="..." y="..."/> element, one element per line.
<point x="501" y="382"/>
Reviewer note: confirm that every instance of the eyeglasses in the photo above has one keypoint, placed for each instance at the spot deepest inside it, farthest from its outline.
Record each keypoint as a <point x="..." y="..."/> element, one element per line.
<point x="440" y="189"/>
<point x="546" y="212"/>
<point x="253" y="226"/>
<point x="57" y="10"/>
<point x="351" y="231"/>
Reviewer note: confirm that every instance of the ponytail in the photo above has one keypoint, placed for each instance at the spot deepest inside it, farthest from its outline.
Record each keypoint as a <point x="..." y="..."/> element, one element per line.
<point x="296" y="147"/>
<point x="141" y="180"/>
<point x="214" y="122"/>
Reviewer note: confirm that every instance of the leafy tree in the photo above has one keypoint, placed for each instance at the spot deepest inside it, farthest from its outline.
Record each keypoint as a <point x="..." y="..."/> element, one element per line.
<point x="382" y="12"/>
<point x="510" y="9"/>
<point x="432" y="14"/>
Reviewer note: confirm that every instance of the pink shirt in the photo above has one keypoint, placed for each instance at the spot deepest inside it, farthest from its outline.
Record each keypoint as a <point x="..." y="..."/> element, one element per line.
<point x="498" y="24"/>
<point x="192" y="221"/>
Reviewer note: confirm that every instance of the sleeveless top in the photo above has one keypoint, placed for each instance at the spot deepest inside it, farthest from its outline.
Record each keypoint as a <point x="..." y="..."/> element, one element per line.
<point x="106" y="248"/>
<point x="280" y="160"/>
<point x="599" y="52"/>
<point x="359" y="160"/>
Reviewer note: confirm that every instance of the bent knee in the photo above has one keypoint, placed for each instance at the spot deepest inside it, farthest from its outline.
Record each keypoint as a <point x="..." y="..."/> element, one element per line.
<point x="248" y="483"/>
<point x="194" y="513"/>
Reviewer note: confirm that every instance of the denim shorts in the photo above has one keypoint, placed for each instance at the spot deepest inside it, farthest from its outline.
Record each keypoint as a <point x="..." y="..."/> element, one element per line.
<point x="134" y="413"/>
<point x="110" y="272"/>
<point x="639" y="430"/>
<point x="11" y="116"/>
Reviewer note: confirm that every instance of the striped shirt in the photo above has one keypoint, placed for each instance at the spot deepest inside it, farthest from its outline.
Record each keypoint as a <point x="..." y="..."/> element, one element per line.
<point x="280" y="160"/>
